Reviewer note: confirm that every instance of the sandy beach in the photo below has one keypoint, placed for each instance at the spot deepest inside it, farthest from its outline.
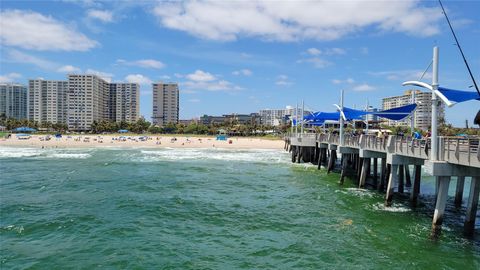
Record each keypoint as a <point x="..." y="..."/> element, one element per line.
<point x="141" y="141"/>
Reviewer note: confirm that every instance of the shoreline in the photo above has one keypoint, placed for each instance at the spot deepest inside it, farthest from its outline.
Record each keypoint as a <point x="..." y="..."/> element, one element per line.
<point x="119" y="141"/>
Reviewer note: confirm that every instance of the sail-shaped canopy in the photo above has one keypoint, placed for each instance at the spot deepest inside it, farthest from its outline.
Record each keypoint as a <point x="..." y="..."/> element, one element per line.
<point x="318" y="118"/>
<point x="396" y="113"/>
<point x="457" y="96"/>
<point x="353" y="114"/>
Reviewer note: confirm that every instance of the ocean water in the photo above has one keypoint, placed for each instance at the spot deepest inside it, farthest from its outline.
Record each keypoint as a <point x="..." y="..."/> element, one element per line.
<point x="208" y="209"/>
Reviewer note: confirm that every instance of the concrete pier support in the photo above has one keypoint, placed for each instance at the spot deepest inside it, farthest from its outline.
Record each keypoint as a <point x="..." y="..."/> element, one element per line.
<point x="383" y="174"/>
<point x="367" y="156"/>
<point x="392" y="180"/>
<point x="363" y="174"/>
<point x="443" y="170"/>
<point x="408" y="180"/>
<point x="347" y="155"/>
<point x="459" y="191"/>
<point x="401" y="178"/>
<point x="416" y="185"/>
<point x="299" y="153"/>
<point x="472" y="206"/>
<point x="397" y="171"/>
<point x="333" y="157"/>
<point x="359" y="169"/>
<point x="320" y="157"/>
<point x="344" y="169"/>
<point x="443" y="182"/>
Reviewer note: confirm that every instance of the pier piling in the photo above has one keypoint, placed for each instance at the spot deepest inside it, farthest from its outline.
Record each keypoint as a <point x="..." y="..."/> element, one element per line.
<point x="408" y="181"/>
<point x="392" y="180"/>
<point x="472" y="206"/>
<point x="459" y="191"/>
<point x="401" y="178"/>
<point x="443" y="182"/>
<point x="416" y="185"/>
<point x="363" y="173"/>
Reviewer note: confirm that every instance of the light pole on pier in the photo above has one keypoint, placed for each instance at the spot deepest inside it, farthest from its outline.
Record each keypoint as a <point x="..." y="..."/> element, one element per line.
<point x="342" y="140"/>
<point x="434" y="89"/>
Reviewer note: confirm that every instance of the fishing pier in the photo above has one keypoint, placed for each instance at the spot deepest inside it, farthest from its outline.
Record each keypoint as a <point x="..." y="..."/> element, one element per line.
<point x="392" y="163"/>
<point x="395" y="162"/>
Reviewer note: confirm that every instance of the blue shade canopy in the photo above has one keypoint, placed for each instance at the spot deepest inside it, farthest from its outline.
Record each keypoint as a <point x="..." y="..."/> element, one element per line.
<point x="318" y="118"/>
<point x="396" y="113"/>
<point x="352" y="114"/>
<point x="321" y="117"/>
<point x="24" y="129"/>
<point x="122" y="131"/>
<point x="456" y="96"/>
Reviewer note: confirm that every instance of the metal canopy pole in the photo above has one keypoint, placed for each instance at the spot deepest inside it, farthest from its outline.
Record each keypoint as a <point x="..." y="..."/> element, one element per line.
<point x="303" y="114"/>
<point x="342" y="139"/>
<point x="434" y="138"/>
<point x="296" y="120"/>
<point x="412" y="116"/>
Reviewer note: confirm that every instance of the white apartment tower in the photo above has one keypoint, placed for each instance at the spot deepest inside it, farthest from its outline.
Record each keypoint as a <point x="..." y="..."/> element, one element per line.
<point x="423" y="113"/>
<point x="124" y="102"/>
<point x="87" y="99"/>
<point x="165" y="103"/>
<point x="47" y="101"/>
<point x="276" y="117"/>
<point x="13" y="100"/>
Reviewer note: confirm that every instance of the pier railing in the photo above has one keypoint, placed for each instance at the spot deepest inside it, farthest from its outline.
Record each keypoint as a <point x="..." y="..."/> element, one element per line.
<point x="455" y="150"/>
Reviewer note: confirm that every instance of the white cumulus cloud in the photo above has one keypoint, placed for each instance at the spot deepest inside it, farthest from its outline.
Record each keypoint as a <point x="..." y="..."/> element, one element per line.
<point x="101" y="15"/>
<point x="244" y="72"/>
<point x="104" y="75"/>
<point x="201" y="76"/>
<point x="283" y="80"/>
<point x="10" y="77"/>
<point x="17" y="56"/>
<point x="32" y="30"/>
<point x="296" y="20"/>
<point x="363" y="88"/>
<point x="346" y="81"/>
<point x="202" y="80"/>
<point x="69" y="69"/>
<point x="138" y="78"/>
<point x="144" y="63"/>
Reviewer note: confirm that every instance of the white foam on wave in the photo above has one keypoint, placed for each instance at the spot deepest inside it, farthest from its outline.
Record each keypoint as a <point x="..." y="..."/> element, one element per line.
<point x="37" y="153"/>
<point x="396" y="208"/>
<point x="359" y="192"/>
<point x="19" y="152"/>
<point x="69" y="155"/>
<point x="171" y="154"/>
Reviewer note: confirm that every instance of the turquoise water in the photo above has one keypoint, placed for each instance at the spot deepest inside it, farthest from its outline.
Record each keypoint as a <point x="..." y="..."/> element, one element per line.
<point x="207" y="209"/>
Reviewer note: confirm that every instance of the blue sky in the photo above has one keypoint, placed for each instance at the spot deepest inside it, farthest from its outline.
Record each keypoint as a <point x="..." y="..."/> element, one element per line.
<point x="243" y="56"/>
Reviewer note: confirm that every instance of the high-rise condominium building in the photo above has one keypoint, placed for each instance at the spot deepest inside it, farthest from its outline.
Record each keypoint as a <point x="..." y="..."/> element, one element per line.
<point x="423" y="114"/>
<point x="87" y="99"/>
<point x="47" y="101"/>
<point x="124" y="102"/>
<point x="276" y="117"/>
<point x="165" y="103"/>
<point x="13" y="100"/>
<point x="91" y="98"/>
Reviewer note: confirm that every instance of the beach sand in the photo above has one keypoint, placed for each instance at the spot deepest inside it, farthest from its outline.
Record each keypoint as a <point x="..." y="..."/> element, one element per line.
<point x="183" y="141"/>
